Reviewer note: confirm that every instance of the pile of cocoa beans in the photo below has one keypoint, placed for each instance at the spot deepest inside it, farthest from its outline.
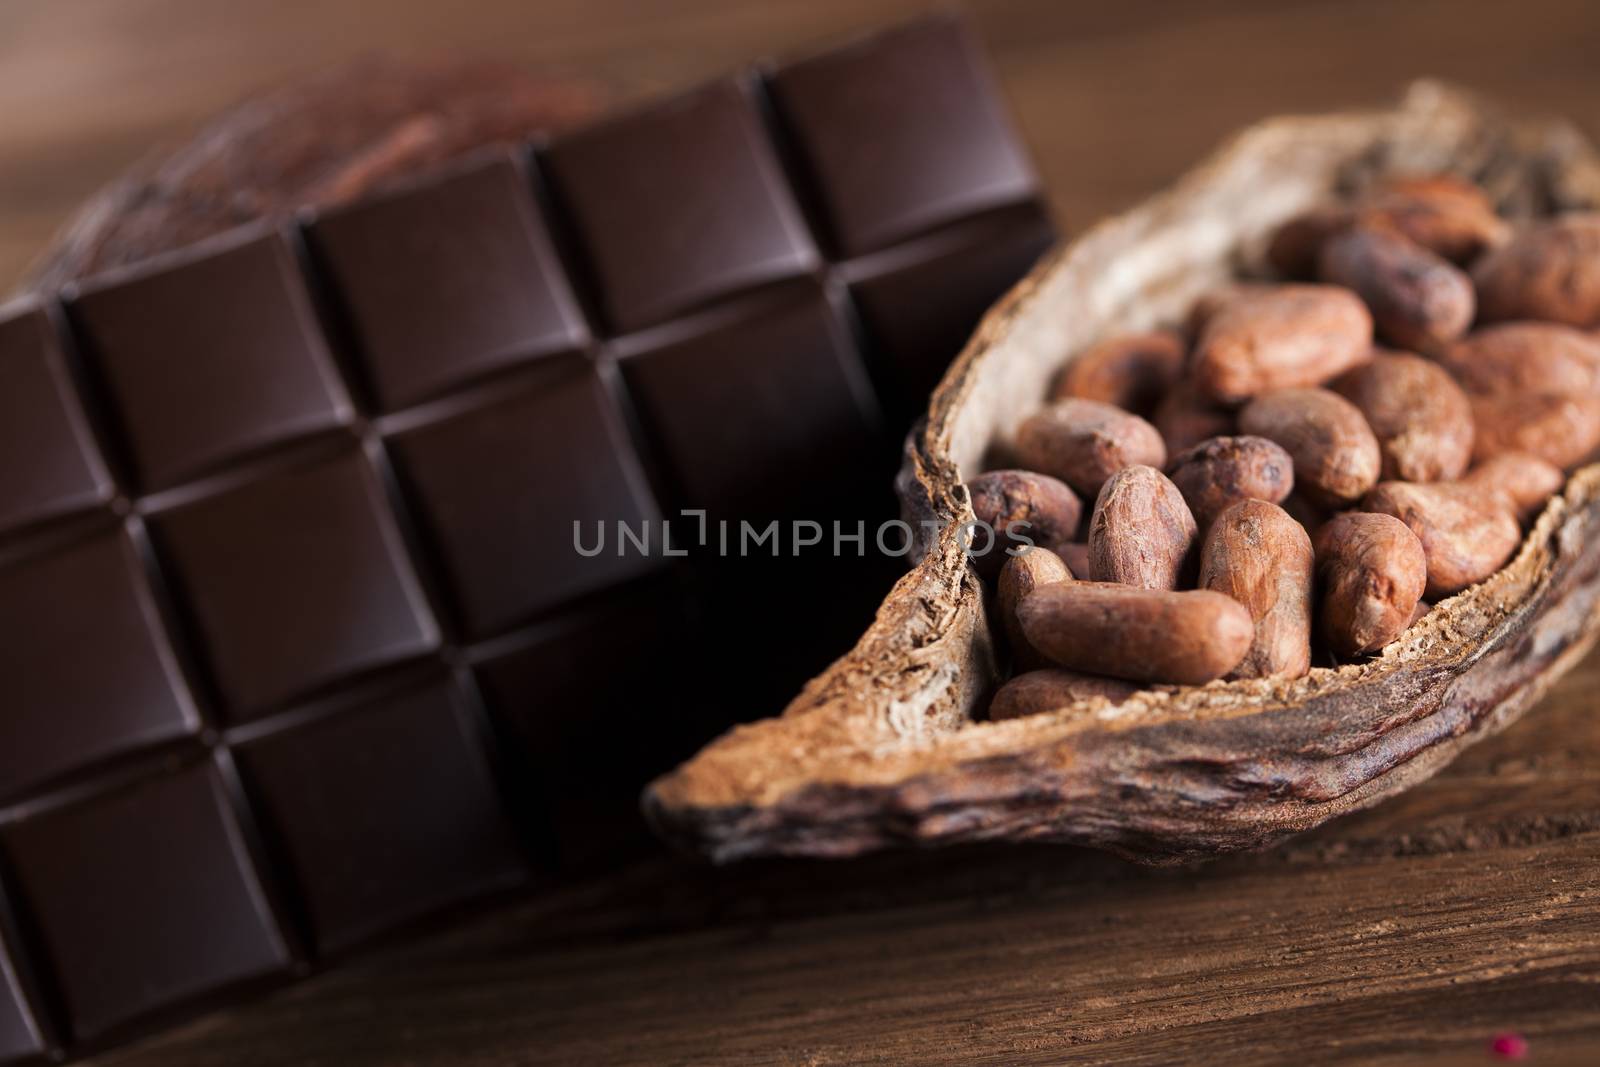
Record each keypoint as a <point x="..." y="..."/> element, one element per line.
<point x="1307" y="464"/>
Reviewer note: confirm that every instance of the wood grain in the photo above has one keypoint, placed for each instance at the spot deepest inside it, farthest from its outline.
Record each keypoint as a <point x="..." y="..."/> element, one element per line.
<point x="1405" y="935"/>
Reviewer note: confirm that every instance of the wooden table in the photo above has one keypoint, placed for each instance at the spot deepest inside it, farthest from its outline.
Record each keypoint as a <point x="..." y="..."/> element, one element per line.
<point x="1409" y="934"/>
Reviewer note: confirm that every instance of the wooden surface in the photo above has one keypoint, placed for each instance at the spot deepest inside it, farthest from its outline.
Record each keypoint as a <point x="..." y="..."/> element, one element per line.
<point x="1408" y="934"/>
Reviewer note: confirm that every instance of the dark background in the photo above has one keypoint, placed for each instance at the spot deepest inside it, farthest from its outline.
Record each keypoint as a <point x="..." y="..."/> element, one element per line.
<point x="1409" y="934"/>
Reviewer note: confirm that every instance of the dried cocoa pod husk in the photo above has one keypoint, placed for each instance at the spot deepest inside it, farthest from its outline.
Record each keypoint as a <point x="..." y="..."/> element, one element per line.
<point x="1052" y="687"/>
<point x="1419" y="414"/>
<point x="1548" y="270"/>
<point x="1259" y="556"/>
<point x="887" y="748"/>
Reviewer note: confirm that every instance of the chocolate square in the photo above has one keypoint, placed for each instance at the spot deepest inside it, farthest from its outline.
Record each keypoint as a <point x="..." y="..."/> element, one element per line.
<point x="450" y="280"/>
<point x="20" y="1036"/>
<point x="84" y="663"/>
<point x="919" y="310"/>
<point x="144" y="898"/>
<point x="294" y="581"/>
<point x="902" y="133"/>
<point x="210" y="355"/>
<point x="49" y="465"/>
<point x="385" y="812"/>
<point x="504" y="488"/>
<point x="772" y="387"/>
<point x="680" y="204"/>
<point x="582" y="701"/>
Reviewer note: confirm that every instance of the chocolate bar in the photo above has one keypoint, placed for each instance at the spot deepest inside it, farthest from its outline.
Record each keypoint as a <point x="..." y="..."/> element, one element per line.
<point x="301" y="638"/>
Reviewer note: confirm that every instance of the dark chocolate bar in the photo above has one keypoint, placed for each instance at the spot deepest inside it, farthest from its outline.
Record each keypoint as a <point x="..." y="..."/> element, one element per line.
<point x="313" y="618"/>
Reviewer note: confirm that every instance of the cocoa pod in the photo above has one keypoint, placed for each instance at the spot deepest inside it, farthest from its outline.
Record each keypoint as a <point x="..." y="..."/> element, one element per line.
<point x="1022" y="574"/>
<point x="1021" y="507"/>
<point x="1418" y="300"/>
<point x="1373" y="570"/>
<point x="1259" y="556"/>
<point x="1144" y="635"/>
<point x="1527" y="482"/>
<point x="1084" y="442"/>
<point x="1466" y="533"/>
<point x="1548" y="270"/>
<point x="1336" y="457"/>
<point x="1184" y="418"/>
<point x="1449" y="216"/>
<point x="1131" y="371"/>
<point x="317" y="142"/>
<point x="1525" y="357"/>
<point x="1219" y="472"/>
<point x="1280" y="338"/>
<point x="1420" y="416"/>
<point x="1418" y="613"/>
<point x="1561" y="429"/>
<point x="1051" y="688"/>
<point x="1141" y="532"/>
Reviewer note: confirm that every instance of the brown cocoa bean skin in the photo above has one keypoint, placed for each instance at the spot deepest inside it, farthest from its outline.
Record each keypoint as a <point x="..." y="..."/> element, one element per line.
<point x="1075" y="554"/>
<point x="1297" y="244"/>
<point x="1283" y="337"/>
<point x="1022" y="574"/>
<point x="1336" y="456"/>
<point x="1141" y="532"/>
<point x="1448" y="216"/>
<point x="1548" y="270"/>
<point x="1466" y="533"/>
<point x="1044" y="509"/>
<point x="1143" y="635"/>
<point x="1372" y="570"/>
<point x="1213" y="301"/>
<point x="1051" y="688"/>
<point x="1220" y="472"/>
<point x="1525" y="357"/>
<point x="1527" y="482"/>
<point x="1084" y="442"/>
<point x="1184" y="418"/>
<point x="1560" y="428"/>
<point x="1418" y="300"/>
<point x="1420" y="416"/>
<point x="1259" y="556"/>
<point x="1131" y="371"/>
